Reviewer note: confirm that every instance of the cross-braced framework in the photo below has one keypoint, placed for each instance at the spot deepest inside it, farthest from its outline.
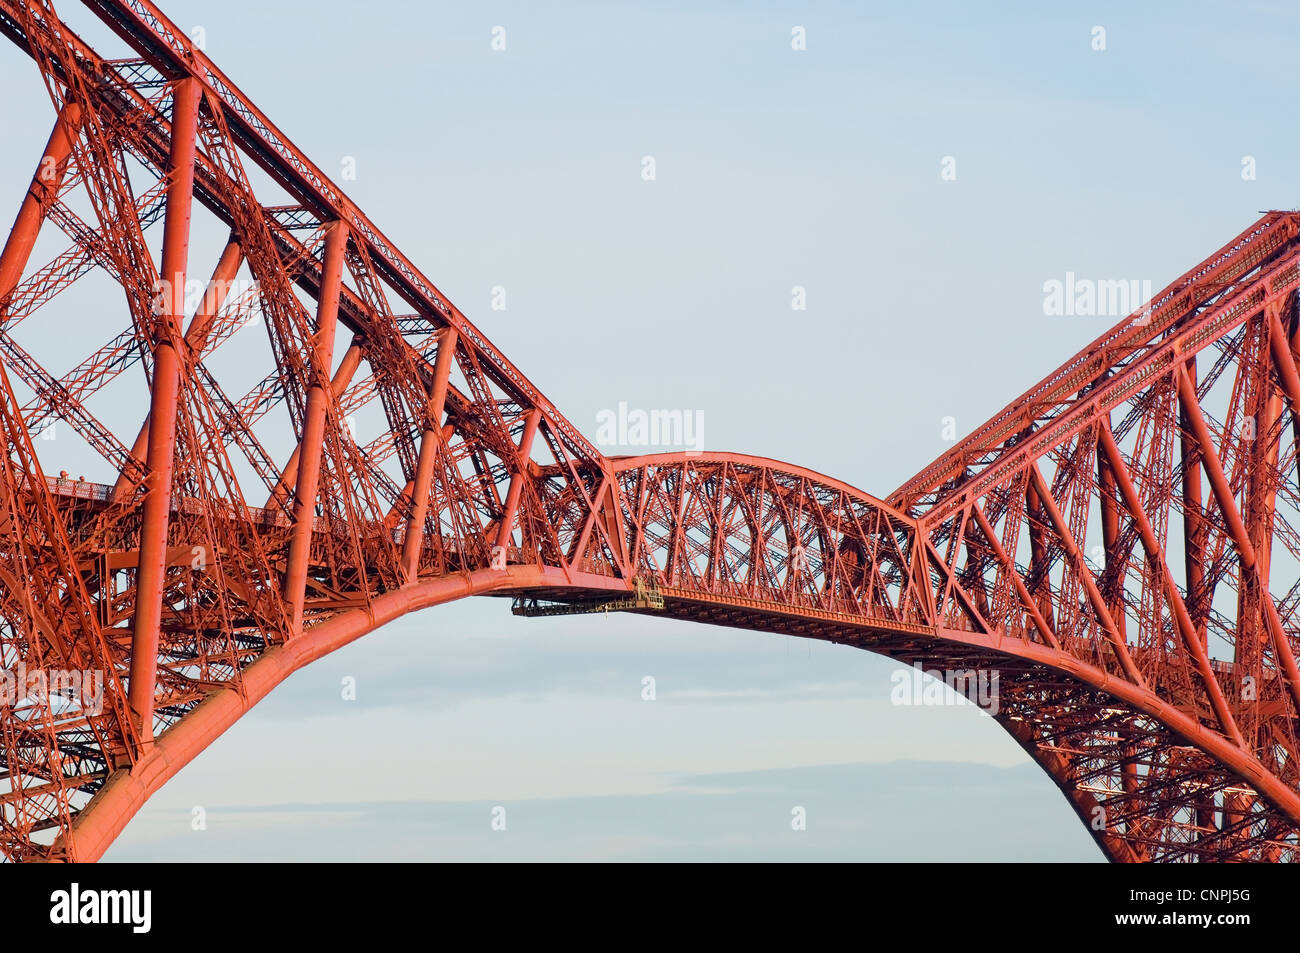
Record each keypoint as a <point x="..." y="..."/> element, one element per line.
<point x="1119" y="545"/>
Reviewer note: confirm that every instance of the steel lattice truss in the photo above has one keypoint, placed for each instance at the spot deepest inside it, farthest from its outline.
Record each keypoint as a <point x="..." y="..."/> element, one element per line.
<point x="1120" y="544"/>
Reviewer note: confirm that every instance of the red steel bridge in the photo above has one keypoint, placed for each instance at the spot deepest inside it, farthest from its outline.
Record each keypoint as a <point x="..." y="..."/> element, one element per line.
<point x="1120" y="543"/>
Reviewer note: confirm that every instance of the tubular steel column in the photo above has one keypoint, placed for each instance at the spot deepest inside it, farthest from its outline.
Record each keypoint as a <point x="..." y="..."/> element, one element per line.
<point x="429" y="441"/>
<point x="1109" y="523"/>
<point x="1195" y="527"/>
<point x="1155" y="556"/>
<point x="1280" y="348"/>
<point x="1240" y="536"/>
<point x="162" y="408"/>
<point x="196" y="334"/>
<point x="517" y="481"/>
<point x="1075" y="557"/>
<point x="342" y="380"/>
<point x="45" y="185"/>
<point x="319" y="395"/>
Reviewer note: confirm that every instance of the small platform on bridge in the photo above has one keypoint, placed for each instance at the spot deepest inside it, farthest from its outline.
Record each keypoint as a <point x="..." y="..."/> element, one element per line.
<point x="645" y="595"/>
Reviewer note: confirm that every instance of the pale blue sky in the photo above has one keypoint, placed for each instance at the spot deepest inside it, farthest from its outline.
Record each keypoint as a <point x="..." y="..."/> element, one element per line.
<point x="775" y="168"/>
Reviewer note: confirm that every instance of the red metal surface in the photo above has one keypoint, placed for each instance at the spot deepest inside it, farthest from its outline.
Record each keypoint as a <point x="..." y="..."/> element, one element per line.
<point x="1119" y="544"/>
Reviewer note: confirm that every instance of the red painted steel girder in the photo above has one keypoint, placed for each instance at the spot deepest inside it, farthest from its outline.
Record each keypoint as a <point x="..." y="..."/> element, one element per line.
<point x="1159" y="694"/>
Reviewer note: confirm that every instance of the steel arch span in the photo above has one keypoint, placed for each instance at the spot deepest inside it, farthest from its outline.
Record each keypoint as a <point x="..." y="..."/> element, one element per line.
<point x="242" y="530"/>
